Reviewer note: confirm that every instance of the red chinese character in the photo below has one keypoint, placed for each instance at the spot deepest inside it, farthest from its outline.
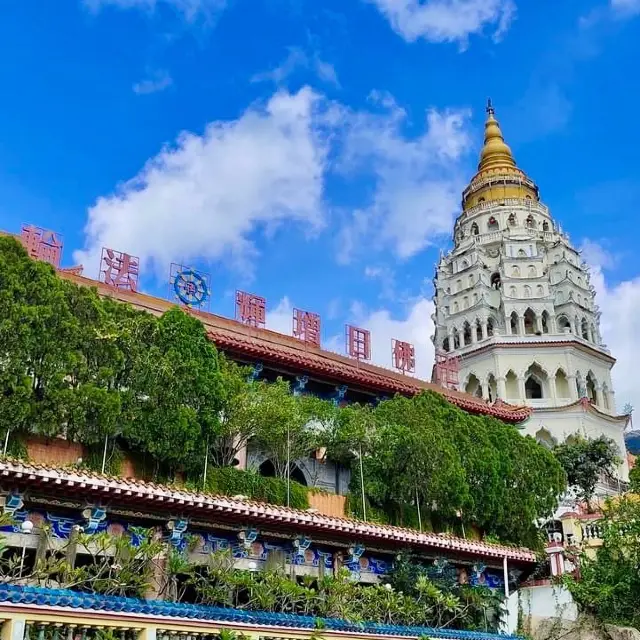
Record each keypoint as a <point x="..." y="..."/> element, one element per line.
<point x="42" y="244"/>
<point x="358" y="343"/>
<point x="404" y="356"/>
<point x="120" y="270"/>
<point x="306" y="327"/>
<point x="250" y="309"/>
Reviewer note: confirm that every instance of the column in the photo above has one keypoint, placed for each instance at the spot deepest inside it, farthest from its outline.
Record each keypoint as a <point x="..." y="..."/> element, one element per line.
<point x="521" y="390"/>
<point x="484" y="329"/>
<point x="13" y="628"/>
<point x="590" y="334"/>
<point x="474" y="333"/>
<point x="576" y="328"/>
<point x="538" y="326"/>
<point x="553" y="325"/>
<point x="599" y="396"/>
<point x="552" y="390"/>
<point x="573" y="389"/>
<point x="507" y="324"/>
<point x="502" y="387"/>
<point x="485" y="389"/>
<point x="450" y="336"/>
<point x="521" y="325"/>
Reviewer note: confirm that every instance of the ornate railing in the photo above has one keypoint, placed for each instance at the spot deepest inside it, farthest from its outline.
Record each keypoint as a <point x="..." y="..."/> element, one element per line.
<point x="61" y="601"/>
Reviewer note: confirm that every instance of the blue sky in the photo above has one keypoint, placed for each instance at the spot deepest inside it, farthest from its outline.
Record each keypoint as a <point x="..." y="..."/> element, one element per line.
<point x="314" y="152"/>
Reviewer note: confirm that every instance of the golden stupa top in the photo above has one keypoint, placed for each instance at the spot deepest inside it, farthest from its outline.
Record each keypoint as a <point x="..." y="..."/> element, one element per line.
<point x="498" y="177"/>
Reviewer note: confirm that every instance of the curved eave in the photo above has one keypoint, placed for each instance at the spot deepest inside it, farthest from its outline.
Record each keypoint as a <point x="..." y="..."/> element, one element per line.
<point x="117" y="491"/>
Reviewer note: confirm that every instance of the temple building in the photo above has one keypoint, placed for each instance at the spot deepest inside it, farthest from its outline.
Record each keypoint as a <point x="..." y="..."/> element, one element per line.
<point x="516" y="315"/>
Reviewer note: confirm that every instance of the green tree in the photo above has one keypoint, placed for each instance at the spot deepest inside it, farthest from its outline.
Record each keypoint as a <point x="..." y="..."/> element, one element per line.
<point x="634" y="479"/>
<point x="290" y="427"/>
<point x="177" y="390"/>
<point x="584" y="461"/>
<point x="608" y="586"/>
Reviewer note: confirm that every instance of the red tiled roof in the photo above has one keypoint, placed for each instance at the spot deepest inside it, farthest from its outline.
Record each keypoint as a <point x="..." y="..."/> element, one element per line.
<point x="277" y="349"/>
<point x="121" y="490"/>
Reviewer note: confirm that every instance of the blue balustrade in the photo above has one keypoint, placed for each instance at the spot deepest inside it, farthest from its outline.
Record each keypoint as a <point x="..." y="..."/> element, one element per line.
<point x="19" y="594"/>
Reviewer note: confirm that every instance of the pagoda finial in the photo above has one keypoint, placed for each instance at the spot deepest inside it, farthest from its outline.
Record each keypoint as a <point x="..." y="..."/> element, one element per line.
<point x="495" y="152"/>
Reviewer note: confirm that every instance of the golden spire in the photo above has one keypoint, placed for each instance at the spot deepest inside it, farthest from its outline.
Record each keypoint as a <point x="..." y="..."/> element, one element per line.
<point x="495" y="152"/>
<point x="498" y="178"/>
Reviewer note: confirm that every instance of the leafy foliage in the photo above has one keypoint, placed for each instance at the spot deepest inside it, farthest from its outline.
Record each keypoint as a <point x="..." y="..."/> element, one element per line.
<point x="584" y="461"/>
<point x="608" y="586"/>
<point x="457" y="468"/>
<point x="634" y="479"/>
<point x="229" y="481"/>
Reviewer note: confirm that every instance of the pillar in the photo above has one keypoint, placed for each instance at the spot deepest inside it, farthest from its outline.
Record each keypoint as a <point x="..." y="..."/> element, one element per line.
<point x="485" y="389"/>
<point x="450" y="336"/>
<point x="576" y="328"/>
<point x="521" y="325"/>
<point x="505" y="572"/>
<point x="502" y="387"/>
<point x="599" y="396"/>
<point x="573" y="389"/>
<point x="485" y="333"/>
<point x="474" y="333"/>
<point x="590" y="334"/>
<point x="538" y="324"/>
<point x="555" y="551"/>
<point x="553" y="325"/>
<point x="553" y="392"/>
<point x="13" y="628"/>
<point x="521" y="390"/>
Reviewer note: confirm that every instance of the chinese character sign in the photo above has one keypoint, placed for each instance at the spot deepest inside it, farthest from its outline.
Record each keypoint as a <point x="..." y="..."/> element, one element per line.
<point x="119" y="270"/>
<point x="404" y="356"/>
<point x="42" y="244"/>
<point x="190" y="287"/>
<point x="306" y="327"/>
<point x="250" y="309"/>
<point x="358" y="343"/>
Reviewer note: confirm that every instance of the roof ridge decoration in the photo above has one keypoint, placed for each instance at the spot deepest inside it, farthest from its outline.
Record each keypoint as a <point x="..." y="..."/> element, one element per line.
<point x="12" y="594"/>
<point x="258" y="511"/>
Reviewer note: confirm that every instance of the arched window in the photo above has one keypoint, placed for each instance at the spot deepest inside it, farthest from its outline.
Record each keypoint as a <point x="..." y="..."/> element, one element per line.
<point x="532" y="271"/>
<point x="490" y="326"/>
<point x="492" y="225"/>
<point x="539" y="291"/>
<point x="471" y="280"/>
<point x="535" y="382"/>
<point x="475" y="298"/>
<point x="478" y="330"/>
<point x="592" y="394"/>
<point x="545" y="226"/>
<point x="458" y="285"/>
<point x="456" y="339"/>
<point x="531" y="223"/>
<point x="456" y="307"/>
<point x="445" y="345"/>
<point x="529" y="321"/>
<point x="474" y="229"/>
<point x="544" y="320"/>
<point x="562" y="386"/>
<point x="513" y="292"/>
<point x="513" y="320"/>
<point x="466" y="334"/>
<point x="584" y="329"/>
<point x="463" y="265"/>
<point x="465" y="302"/>
<point x="512" y="220"/>
<point x="473" y="386"/>
<point x="515" y="272"/>
<point x="522" y="253"/>
<point x="511" y="384"/>
<point x="563" y="324"/>
<point x="527" y="291"/>
<point x="496" y="281"/>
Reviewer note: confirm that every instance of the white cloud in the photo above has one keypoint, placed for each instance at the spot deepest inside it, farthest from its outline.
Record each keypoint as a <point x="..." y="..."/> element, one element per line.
<point x="280" y="319"/>
<point x="158" y="81"/>
<point x="626" y="7"/>
<point x="190" y="10"/>
<point x="415" y="327"/>
<point x="620" y="306"/>
<point x="207" y="195"/>
<point x="446" y="20"/>
<point x="298" y="59"/>
<point x="418" y="180"/>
